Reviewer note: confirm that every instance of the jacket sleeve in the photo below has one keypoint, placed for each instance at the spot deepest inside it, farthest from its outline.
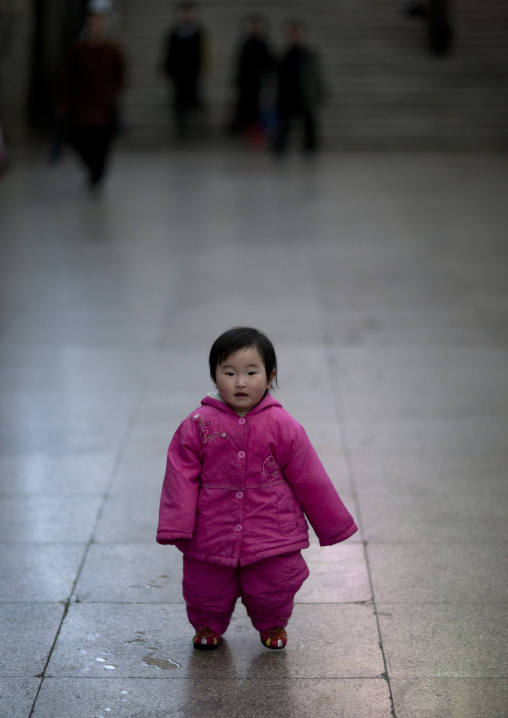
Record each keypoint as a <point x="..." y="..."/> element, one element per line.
<point x="177" y="513"/>
<point x="315" y="492"/>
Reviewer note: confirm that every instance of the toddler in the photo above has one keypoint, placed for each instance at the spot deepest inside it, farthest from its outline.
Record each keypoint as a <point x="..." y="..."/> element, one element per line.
<point x="241" y="473"/>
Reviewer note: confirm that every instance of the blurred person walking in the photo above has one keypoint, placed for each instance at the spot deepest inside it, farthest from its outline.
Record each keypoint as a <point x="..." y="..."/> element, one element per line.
<point x="253" y="68"/>
<point x="299" y="91"/>
<point x="440" y="27"/>
<point x="184" y="63"/>
<point x="93" y="79"/>
<point x="4" y="156"/>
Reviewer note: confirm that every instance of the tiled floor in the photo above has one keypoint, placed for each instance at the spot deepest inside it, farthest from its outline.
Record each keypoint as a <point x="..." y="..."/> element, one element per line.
<point x="383" y="281"/>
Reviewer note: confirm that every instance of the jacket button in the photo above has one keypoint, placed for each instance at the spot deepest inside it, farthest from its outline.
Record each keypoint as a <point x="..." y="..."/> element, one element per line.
<point x="241" y="454"/>
<point x="239" y="495"/>
<point x="238" y="527"/>
<point x="241" y="421"/>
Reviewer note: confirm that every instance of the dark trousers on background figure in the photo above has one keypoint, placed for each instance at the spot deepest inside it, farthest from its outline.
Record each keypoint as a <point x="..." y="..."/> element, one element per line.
<point x="93" y="145"/>
<point x="285" y="124"/>
<point x="186" y="100"/>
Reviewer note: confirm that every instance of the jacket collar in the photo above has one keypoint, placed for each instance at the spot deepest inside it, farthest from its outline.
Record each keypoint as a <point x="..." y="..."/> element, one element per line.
<point x="214" y="399"/>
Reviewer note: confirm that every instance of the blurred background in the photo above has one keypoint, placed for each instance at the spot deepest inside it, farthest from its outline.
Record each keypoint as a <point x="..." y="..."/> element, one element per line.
<point x="397" y="74"/>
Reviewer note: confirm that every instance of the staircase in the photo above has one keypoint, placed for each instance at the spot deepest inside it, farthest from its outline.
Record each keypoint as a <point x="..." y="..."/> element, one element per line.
<point x="384" y="89"/>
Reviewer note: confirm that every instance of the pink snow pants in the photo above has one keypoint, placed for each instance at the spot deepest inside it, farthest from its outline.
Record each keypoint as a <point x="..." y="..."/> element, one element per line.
<point x="267" y="589"/>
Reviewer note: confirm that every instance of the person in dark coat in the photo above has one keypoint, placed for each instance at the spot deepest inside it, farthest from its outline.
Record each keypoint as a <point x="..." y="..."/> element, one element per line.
<point x="184" y="62"/>
<point x="254" y="64"/>
<point x="440" y="27"/>
<point x="93" y="79"/>
<point x="299" y="91"/>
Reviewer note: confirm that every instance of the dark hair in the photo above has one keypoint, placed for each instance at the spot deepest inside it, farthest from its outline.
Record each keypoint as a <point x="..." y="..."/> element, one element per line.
<point x="237" y="339"/>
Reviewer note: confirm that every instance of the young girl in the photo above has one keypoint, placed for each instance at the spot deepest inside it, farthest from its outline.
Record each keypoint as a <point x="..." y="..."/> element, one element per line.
<point x="241" y="473"/>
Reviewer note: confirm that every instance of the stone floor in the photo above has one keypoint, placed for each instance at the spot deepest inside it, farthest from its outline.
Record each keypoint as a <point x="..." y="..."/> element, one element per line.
<point x="383" y="281"/>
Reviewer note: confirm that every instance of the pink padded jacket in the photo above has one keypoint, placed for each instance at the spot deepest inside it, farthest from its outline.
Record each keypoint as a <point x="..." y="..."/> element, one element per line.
<point x="236" y="488"/>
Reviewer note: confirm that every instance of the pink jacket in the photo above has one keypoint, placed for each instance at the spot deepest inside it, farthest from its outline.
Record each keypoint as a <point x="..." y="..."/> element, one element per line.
<point x="236" y="489"/>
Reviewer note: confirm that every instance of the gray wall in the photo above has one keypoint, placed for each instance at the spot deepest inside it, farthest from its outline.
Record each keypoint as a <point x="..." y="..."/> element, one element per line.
<point x="16" y="23"/>
<point x="34" y="36"/>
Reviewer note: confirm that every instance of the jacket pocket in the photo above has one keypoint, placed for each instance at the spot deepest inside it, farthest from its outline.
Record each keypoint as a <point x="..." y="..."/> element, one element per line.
<point x="289" y="512"/>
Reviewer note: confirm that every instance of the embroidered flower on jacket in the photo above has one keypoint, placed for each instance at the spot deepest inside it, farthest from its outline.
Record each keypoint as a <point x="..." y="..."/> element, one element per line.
<point x="207" y="434"/>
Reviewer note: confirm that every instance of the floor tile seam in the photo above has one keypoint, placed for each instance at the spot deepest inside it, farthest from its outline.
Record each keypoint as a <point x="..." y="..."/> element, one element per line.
<point x="382" y="603"/>
<point x="428" y="418"/>
<point x="343" y="432"/>
<point x="174" y="677"/>
<point x="447" y="677"/>
<point x="109" y="544"/>
<point x="116" y="464"/>
<point x="17" y="542"/>
<point x="81" y="602"/>
<point x="86" y="602"/>
<point x="472" y="604"/>
<point x="407" y="493"/>
<point x="501" y="604"/>
<point x="451" y="455"/>
<point x="106" y="494"/>
<point x="436" y="545"/>
<point x="351" y="540"/>
<point x="405" y="677"/>
<point x="427" y="491"/>
<point x="469" y="543"/>
<point x="366" y="602"/>
<point x="120" y="453"/>
<point x="60" y="495"/>
<point x="152" y="543"/>
<point x="423" y="455"/>
<point x="313" y="543"/>
<point x="57" y="602"/>
<point x="456" y="678"/>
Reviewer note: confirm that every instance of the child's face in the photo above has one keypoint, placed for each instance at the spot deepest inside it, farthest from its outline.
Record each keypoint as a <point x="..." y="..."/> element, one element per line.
<point x="241" y="380"/>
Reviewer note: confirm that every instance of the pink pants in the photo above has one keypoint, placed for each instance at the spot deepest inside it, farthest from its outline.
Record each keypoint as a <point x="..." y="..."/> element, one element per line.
<point x="267" y="589"/>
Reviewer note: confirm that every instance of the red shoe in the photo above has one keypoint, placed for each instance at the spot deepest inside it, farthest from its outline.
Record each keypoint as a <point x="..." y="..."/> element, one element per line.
<point x="206" y="639"/>
<point x="274" y="637"/>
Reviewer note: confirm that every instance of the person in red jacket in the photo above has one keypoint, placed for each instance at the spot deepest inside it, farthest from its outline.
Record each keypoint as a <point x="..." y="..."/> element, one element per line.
<point x="241" y="476"/>
<point x="93" y="79"/>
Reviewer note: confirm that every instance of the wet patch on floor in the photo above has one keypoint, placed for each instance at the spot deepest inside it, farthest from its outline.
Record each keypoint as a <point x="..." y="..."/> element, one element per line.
<point x="164" y="664"/>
